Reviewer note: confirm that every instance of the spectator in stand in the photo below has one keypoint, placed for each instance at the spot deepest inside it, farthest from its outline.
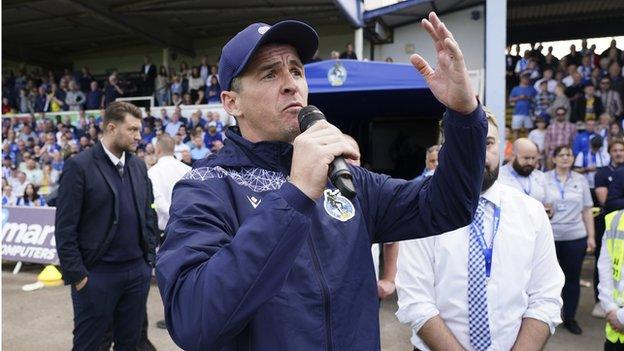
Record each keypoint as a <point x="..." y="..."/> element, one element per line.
<point x="583" y="138"/>
<point x="185" y="73"/>
<point x="6" y="106"/>
<point x="32" y="171"/>
<point x="611" y="99"/>
<point x="543" y="100"/>
<point x="522" y="96"/>
<point x="201" y="97"/>
<point x="186" y="137"/>
<point x="162" y="86"/>
<point x="176" y="100"/>
<point x="30" y="198"/>
<point x="212" y="139"/>
<point x="186" y="157"/>
<point x="560" y="132"/>
<point x="573" y="228"/>
<point x="187" y="100"/>
<point x="176" y="85"/>
<point x="95" y="97"/>
<point x="195" y="83"/>
<point x="112" y="90"/>
<point x="349" y="54"/>
<point x="617" y="81"/>
<point x="148" y="76"/>
<point x="585" y="69"/>
<point x="532" y="70"/>
<point x="41" y="101"/>
<point x="85" y="80"/>
<point x="612" y="51"/>
<point x="574" y="57"/>
<point x="19" y="182"/>
<point x="510" y="64"/>
<point x="213" y="73"/>
<point x="174" y="124"/>
<point x="334" y="55"/>
<point x="561" y="100"/>
<point x="8" y="198"/>
<point x="56" y="98"/>
<point x="522" y="63"/>
<point x="595" y="77"/>
<point x="196" y="120"/>
<point x="588" y="106"/>
<point x="180" y="145"/>
<point x="204" y="69"/>
<point x="550" y="60"/>
<point x="25" y="105"/>
<point x="587" y="162"/>
<point x="199" y="149"/>
<point x="548" y="78"/>
<point x="571" y="70"/>
<point x="214" y="91"/>
<point x="75" y="99"/>
<point x="537" y="136"/>
<point x="49" y="180"/>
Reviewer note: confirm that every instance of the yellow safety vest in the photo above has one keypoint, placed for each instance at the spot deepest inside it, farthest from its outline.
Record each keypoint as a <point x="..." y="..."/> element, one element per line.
<point x="614" y="239"/>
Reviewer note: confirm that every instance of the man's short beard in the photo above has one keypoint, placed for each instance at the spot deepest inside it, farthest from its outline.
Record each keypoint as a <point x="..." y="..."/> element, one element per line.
<point x="489" y="177"/>
<point x="523" y="171"/>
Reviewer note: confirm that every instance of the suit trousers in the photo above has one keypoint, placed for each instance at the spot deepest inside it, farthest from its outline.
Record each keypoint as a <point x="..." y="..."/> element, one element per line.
<point x="115" y="294"/>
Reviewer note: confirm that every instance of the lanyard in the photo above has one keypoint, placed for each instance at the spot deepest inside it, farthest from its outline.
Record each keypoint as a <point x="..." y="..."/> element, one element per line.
<point x="488" y="251"/>
<point x="517" y="177"/>
<point x="559" y="185"/>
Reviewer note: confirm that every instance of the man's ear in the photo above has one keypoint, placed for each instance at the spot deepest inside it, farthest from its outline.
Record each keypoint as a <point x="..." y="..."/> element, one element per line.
<point x="230" y="102"/>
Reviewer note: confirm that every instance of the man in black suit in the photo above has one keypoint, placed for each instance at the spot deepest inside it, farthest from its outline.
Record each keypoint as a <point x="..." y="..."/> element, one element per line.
<point x="148" y="73"/>
<point x="105" y="233"/>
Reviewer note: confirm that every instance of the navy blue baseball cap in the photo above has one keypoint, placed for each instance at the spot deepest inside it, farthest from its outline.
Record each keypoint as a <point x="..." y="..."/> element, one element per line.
<point x="236" y="54"/>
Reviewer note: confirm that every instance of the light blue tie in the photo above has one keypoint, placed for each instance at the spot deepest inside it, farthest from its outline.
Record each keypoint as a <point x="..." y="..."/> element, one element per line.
<point x="478" y="319"/>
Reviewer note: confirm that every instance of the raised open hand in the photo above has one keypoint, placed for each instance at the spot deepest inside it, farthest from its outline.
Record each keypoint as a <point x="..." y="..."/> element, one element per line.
<point x="449" y="82"/>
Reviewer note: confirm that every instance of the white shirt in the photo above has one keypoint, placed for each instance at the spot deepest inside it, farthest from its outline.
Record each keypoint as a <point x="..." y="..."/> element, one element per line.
<point x="114" y="158"/>
<point x="164" y="175"/>
<point x="177" y="150"/>
<point x="526" y="280"/>
<point x="538" y="136"/>
<point x="599" y="159"/>
<point x="551" y="84"/>
<point x="534" y="184"/>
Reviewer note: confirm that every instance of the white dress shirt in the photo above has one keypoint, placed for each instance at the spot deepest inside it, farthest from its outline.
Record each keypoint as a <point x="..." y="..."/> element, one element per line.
<point x="534" y="184"/>
<point x="525" y="282"/>
<point x="114" y="159"/>
<point x="164" y="175"/>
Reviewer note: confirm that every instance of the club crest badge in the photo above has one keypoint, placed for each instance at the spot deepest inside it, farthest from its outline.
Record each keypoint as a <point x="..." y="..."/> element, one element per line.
<point x="338" y="206"/>
<point x="337" y="75"/>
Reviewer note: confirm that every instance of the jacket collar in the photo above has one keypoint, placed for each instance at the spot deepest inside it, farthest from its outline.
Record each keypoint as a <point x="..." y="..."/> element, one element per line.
<point x="240" y="152"/>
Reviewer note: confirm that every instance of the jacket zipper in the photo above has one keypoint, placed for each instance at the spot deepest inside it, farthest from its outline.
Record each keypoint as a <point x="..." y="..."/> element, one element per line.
<point x="325" y="292"/>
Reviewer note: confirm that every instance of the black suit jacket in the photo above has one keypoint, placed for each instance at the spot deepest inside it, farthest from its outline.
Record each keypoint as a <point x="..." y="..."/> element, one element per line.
<point x="87" y="211"/>
<point x="578" y="109"/>
<point x="150" y="77"/>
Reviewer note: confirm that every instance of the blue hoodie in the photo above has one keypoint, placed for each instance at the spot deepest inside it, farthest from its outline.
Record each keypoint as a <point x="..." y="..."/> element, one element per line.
<point x="251" y="263"/>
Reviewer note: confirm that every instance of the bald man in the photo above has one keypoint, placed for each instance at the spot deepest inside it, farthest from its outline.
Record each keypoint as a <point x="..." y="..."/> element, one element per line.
<point x="521" y="172"/>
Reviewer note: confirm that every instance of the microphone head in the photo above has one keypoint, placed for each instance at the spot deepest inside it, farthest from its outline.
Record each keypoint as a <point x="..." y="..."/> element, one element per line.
<point x="308" y="115"/>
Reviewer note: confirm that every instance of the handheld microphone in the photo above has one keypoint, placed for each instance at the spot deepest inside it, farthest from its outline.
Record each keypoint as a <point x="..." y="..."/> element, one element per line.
<point x="339" y="173"/>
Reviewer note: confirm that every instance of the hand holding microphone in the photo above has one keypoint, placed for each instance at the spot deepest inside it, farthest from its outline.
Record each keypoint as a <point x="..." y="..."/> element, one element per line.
<point x="318" y="153"/>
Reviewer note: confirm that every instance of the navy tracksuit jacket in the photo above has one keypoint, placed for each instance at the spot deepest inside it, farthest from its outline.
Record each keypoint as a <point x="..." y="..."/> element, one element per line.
<point x="251" y="263"/>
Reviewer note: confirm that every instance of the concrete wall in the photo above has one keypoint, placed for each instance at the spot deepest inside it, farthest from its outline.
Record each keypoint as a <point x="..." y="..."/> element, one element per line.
<point x="468" y="33"/>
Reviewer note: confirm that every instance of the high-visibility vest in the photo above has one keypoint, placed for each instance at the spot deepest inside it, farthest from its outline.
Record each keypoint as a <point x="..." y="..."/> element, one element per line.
<point x="614" y="239"/>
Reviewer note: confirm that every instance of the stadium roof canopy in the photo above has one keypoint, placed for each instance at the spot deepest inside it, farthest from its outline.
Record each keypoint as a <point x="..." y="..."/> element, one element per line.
<point x="41" y="31"/>
<point x="527" y="20"/>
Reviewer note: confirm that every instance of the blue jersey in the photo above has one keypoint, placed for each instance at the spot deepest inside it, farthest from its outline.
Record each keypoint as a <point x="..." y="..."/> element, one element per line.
<point x="523" y="106"/>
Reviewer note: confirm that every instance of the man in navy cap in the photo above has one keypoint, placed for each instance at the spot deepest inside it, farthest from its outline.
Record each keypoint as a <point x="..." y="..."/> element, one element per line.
<point x="262" y="252"/>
